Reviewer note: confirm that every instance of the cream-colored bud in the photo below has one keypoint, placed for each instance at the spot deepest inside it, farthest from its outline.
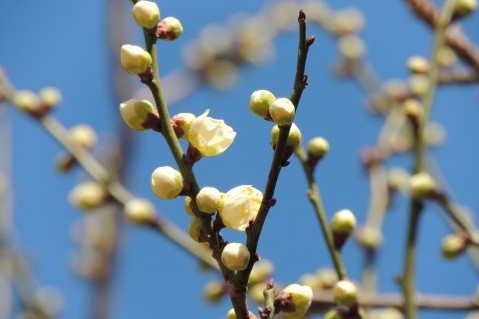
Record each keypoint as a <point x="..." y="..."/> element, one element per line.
<point x="421" y="185"/>
<point x="146" y="14"/>
<point x="351" y="47"/>
<point x="166" y="182"/>
<point x="170" y="28"/>
<point x="50" y="96"/>
<point x="261" y="272"/>
<point x="136" y="113"/>
<point x="398" y="178"/>
<point x="256" y="292"/>
<point x="183" y="122"/>
<point x="418" y="84"/>
<point x="208" y="199"/>
<point x="418" y="65"/>
<point x="327" y="277"/>
<point x="231" y="314"/>
<point x="235" y="256"/>
<point x="282" y="111"/>
<point x="188" y="207"/>
<point x="214" y="291"/>
<point x="318" y="147"/>
<point x="210" y="136"/>
<point x="26" y="100"/>
<point x="370" y="237"/>
<point x="260" y="102"/>
<point x="134" y="59"/>
<point x="345" y="293"/>
<point x="463" y="8"/>
<point x="195" y="230"/>
<point x="301" y="298"/>
<point x="343" y="222"/>
<point x="453" y="246"/>
<point x="414" y="110"/>
<point x="87" y="195"/>
<point x="239" y="206"/>
<point x="139" y="211"/>
<point x="83" y="136"/>
<point x="294" y="136"/>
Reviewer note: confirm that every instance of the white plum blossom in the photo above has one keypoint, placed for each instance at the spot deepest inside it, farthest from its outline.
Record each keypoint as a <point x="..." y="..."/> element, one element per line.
<point x="210" y="136"/>
<point x="239" y="206"/>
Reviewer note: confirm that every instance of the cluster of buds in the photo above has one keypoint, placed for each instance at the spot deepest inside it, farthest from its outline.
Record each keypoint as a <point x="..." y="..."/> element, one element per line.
<point x="265" y="104"/>
<point x="147" y="15"/>
<point x="37" y="105"/>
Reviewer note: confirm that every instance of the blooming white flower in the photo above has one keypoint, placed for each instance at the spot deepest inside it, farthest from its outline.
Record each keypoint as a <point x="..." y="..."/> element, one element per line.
<point x="166" y="182"/>
<point x="239" y="206"/>
<point x="210" y="136"/>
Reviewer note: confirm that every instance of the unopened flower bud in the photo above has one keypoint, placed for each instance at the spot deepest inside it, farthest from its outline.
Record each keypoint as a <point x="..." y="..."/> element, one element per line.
<point x="333" y="314"/>
<point x="256" y="292"/>
<point x="434" y="134"/>
<point x="261" y="272"/>
<point x="83" y="136"/>
<point x="134" y="59"/>
<point x="318" y="147"/>
<point x="166" y="182"/>
<point x="146" y="14"/>
<point x="208" y="199"/>
<point x="463" y="8"/>
<point x="398" y="178"/>
<point x="260" y="102"/>
<point x="282" y="111"/>
<point x="446" y="57"/>
<point x="88" y="195"/>
<point x="414" y="111"/>
<point x="351" y="47"/>
<point x="343" y="222"/>
<point x="422" y="185"/>
<point x="50" y="97"/>
<point x="182" y="123"/>
<point x="235" y="256"/>
<point x="169" y="29"/>
<point x="139" y="211"/>
<point x="240" y="206"/>
<point x="231" y="314"/>
<point x="294" y="137"/>
<point x="301" y="298"/>
<point x="345" y="293"/>
<point x="327" y="277"/>
<point x="138" y="114"/>
<point x="214" y="291"/>
<point x="188" y="207"/>
<point x="453" y="246"/>
<point x="418" y="84"/>
<point x="418" y="65"/>
<point x="370" y="237"/>
<point x="195" y="230"/>
<point x="26" y="100"/>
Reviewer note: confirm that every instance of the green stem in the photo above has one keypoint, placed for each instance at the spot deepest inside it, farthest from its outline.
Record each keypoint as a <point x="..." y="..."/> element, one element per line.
<point x="315" y="199"/>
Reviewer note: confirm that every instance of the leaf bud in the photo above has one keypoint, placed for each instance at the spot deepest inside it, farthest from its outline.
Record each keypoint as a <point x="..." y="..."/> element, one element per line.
<point x="139" y="211"/>
<point x="282" y="111"/>
<point x="301" y="298"/>
<point x="146" y="14"/>
<point x="453" y="245"/>
<point x="422" y="186"/>
<point x="83" y="136"/>
<point x="134" y="59"/>
<point x="235" y="256"/>
<point x="87" y="196"/>
<point x="418" y="65"/>
<point x="208" y="199"/>
<point x="50" y="97"/>
<point x="138" y="114"/>
<point x="345" y="293"/>
<point x="260" y="102"/>
<point x="166" y="182"/>
<point x="169" y="29"/>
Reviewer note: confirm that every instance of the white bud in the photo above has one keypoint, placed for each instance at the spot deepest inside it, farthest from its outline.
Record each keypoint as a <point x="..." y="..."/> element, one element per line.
<point x="136" y="113"/>
<point x="146" y="14"/>
<point x="235" y="256"/>
<point x="87" y="196"/>
<point x="139" y="211"/>
<point x="83" y="136"/>
<point x="135" y="59"/>
<point x="166" y="182"/>
<point x="301" y="298"/>
<point x="282" y="111"/>
<point x="208" y="199"/>
<point x="260" y="102"/>
<point x="345" y="293"/>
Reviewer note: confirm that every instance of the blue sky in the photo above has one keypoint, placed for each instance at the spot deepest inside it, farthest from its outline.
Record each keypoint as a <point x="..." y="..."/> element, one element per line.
<point x="66" y="45"/>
